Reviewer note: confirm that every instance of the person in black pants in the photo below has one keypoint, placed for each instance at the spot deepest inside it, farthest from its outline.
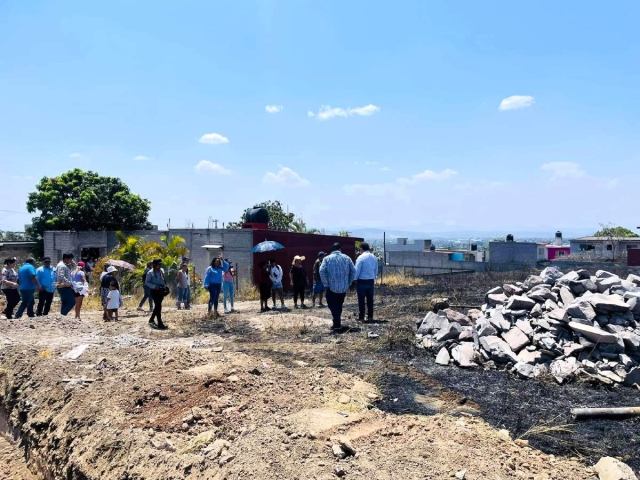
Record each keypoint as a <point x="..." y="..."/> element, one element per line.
<point x="10" y="286"/>
<point x="298" y="279"/>
<point x="156" y="283"/>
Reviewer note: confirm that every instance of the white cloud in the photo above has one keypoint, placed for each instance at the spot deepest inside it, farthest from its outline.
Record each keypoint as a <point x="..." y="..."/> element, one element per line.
<point x="385" y="169"/>
<point x="562" y="170"/>
<point x="273" y="108"/>
<point x="213" y="139"/>
<point x="515" y="102"/>
<point x="364" y="111"/>
<point x="326" y="112"/>
<point x="75" y="155"/>
<point x="286" y="178"/>
<point x="141" y="158"/>
<point x="428" y="175"/>
<point x="210" y="167"/>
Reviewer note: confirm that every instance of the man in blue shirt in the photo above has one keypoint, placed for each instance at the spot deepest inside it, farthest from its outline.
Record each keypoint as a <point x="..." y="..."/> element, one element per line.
<point x="27" y="284"/>
<point x="46" y="276"/>
<point x="337" y="274"/>
<point x="366" y="273"/>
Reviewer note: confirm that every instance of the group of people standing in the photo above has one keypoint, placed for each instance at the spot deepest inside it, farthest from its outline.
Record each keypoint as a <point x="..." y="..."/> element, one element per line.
<point x="332" y="275"/>
<point x="20" y="286"/>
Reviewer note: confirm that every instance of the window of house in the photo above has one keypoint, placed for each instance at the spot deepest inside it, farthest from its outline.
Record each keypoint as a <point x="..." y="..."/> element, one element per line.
<point x="541" y="251"/>
<point x="609" y="247"/>
<point x="631" y="247"/>
<point x="586" y="247"/>
<point x="561" y="253"/>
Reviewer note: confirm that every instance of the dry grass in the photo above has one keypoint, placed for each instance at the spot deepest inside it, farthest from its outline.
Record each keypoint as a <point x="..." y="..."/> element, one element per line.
<point x="399" y="280"/>
<point x="546" y="429"/>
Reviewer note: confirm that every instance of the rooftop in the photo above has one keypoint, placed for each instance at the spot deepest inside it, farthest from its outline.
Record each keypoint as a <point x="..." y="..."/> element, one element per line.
<point x="603" y="239"/>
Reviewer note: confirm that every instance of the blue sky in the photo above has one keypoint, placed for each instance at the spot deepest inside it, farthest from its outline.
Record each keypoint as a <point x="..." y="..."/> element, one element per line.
<point x="380" y="114"/>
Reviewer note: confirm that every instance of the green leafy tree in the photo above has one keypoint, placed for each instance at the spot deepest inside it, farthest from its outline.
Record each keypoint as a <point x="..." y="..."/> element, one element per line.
<point x="611" y="230"/>
<point x="79" y="200"/>
<point x="279" y="219"/>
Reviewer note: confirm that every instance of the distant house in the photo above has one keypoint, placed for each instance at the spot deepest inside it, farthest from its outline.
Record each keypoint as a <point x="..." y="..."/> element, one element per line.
<point x="510" y="251"/>
<point x="601" y="245"/>
<point x="403" y="245"/>
<point x="555" y="252"/>
<point x="20" y="250"/>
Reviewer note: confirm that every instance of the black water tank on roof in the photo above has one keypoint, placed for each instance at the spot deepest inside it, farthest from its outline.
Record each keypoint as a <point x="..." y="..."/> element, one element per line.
<point x="509" y="238"/>
<point x="474" y="247"/>
<point x="432" y="248"/>
<point x="257" y="215"/>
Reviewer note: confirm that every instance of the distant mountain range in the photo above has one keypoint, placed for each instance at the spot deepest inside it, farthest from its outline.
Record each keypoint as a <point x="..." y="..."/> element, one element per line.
<point x="377" y="234"/>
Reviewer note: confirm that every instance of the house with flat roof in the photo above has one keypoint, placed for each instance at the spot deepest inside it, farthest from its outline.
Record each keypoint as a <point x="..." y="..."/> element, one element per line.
<point x="601" y="245"/>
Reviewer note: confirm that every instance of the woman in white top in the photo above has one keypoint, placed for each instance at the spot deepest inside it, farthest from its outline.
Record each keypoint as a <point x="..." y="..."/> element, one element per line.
<point x="184" y="287"/>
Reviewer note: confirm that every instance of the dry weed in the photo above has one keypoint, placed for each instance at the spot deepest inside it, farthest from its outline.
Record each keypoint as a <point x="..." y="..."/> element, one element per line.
<point x="399" y="280"/>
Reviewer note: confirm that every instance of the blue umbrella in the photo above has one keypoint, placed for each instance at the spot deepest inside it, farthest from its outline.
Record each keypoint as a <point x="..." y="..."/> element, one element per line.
<point x="266" y="246"/>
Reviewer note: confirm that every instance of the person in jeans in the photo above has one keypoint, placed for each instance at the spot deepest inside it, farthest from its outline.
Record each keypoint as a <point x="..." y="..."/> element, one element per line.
<point x="213" y="282"/>
<point x="156" y="283"/>
<point x="46" y="276"/>
<point x="28" y="284"/>
<point x="184" y="287"/>
<point x="366" y="273"/>
<point x="337" y="273"/>
<point x="10" y="287"/>
<point x="64" y="283"/>
<point x="298" y="279"/>
<point x="147" y="292"/>
<point x="318" y="287"/>
<point x="228" y="288"/>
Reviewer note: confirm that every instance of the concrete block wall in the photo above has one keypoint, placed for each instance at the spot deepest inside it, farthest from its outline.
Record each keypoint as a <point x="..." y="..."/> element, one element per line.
<point x="237" y="245"/>
<point x="509" y="252"/>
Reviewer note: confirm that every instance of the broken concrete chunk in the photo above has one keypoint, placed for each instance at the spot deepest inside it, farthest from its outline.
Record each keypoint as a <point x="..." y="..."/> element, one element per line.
<point x="518" y="302"/>
<point x="497" y="299"/>
<point x="510" y="289"/>
<point x="432" y="322"/>
<point x="530" y="357"/>
<point x="562" y="370"/>
<point x="524" y="369"/>
<point x="532" y="281"/>
<point x="550" y="275"/>
<point x="443" y="357"/>
<point x="609" y="468"/>
<point x="566" y="296"/>
<point x="581" y="308"/>
<point x="451" y="331"/>
<point x="485" y="328"/>
<point x="605" y="284"/>
<point x="608" y="303"/>
<point x="559" y="314"/>
<point x="464" y="355"/>
<point x="457" y="317"/>
<point x="594" y="334"/>
<point x="635" y="279"/>
<point x="516" y="339"/>
<point x="498" y="349"/>
<point x="525" y="326"/>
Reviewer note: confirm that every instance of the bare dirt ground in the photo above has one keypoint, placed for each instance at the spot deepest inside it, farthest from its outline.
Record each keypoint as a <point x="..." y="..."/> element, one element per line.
<point x="252" y="395"/>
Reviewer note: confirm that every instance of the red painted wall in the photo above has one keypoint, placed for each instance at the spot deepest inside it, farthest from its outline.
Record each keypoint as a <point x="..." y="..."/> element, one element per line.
<point x="633" y="257"/>
<point x="307" y="245"/>
<point x="552" y="253"/>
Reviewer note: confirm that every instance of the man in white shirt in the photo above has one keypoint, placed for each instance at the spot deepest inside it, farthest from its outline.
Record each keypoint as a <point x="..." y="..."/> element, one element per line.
<point x="366" y="274"/>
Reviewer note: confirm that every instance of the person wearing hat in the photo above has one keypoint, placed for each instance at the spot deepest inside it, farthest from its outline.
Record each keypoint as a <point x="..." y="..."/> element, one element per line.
<point x="298" y="280"/>
<point x="80" y="286"/>
<point x="337" y="273"/>
<point x="27" y="284"/>
<point x="318" y="286"/>
<point x="157" y="284"/>
<point x="110" y="275"/>
<point x="46" y="276"/>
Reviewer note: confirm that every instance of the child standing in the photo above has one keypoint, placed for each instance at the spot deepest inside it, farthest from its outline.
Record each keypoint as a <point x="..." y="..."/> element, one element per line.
<point x="113" y="301"/>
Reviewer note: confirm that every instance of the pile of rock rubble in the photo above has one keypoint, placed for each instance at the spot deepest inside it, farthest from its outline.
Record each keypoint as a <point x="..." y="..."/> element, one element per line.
<point x="554" y="323"/>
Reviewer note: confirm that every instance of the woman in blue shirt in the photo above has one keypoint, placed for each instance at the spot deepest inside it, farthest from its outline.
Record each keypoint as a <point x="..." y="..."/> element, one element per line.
<point x="213" y="281"/>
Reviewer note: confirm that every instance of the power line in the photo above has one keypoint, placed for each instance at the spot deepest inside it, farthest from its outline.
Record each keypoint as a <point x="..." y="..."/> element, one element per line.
<point x="13" y="211"/>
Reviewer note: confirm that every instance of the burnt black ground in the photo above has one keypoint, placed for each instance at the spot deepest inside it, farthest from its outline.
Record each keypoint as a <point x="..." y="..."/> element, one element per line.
<point x="516" y="405"/>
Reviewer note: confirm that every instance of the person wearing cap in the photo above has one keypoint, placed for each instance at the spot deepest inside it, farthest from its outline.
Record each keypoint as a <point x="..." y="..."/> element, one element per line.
<point x="318" y="286"/>
<point x="337" y="273"/>
<point x="64" y="283"/>
<point x="80" y="286"/>
<point x="105" y="283"/>
<point x="27" y="284"/>
<point x="298" y="280"/>
<point x="46" y="276"/>
<point x="366" y="274"/>
<point x="157" y="284"/>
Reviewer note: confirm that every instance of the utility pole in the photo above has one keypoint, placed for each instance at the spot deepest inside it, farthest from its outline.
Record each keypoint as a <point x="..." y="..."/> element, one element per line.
<point x="215" y="223"/>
